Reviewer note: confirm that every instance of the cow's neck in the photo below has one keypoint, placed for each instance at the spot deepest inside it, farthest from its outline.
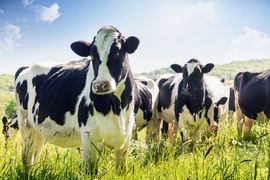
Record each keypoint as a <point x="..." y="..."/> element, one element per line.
<point x="118" y="100"/>
<point x="198" y="98"/>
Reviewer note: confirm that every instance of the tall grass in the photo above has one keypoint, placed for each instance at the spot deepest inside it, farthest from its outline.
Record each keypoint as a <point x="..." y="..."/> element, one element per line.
<point x="222" y="157"/>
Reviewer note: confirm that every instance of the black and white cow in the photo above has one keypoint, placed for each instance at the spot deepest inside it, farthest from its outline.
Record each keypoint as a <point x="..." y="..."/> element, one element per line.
<point x="10" y="128"/>
<point x="192" y="99"/>
<point x="231" y="104"/>
<point x="82" y="103"/>
<point x="252" y="98"/>
<point x="145" y="116"/>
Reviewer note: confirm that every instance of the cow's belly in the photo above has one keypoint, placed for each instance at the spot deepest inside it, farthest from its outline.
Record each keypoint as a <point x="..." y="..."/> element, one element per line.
<point x="62" y="136"/>
<point x="259" y="117"/>
<point x="140" y="121"/>
<point x="167" y="114"/>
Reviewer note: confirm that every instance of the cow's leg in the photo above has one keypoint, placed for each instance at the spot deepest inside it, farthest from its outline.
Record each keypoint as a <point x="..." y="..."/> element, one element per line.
<point x="149" y="132"/>
<point x="27" y="141"/>
<point x="173" y="133"/>
<point x="90" y="152"/>
<point x="156" y="131"/>
<point x="248" y="126"/>
<point x="240" y="117"/>
<point x="121" y="157"/>
<point x="135" y="135"/>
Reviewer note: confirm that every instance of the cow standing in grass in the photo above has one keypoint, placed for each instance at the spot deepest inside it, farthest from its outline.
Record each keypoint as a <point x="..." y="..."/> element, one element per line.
<point x="9" y="128"/>
<point x="80" y="103"/>
<point x="192" y="99"/>
<point x="252" y="99"/>
<point x="145" y="111"/>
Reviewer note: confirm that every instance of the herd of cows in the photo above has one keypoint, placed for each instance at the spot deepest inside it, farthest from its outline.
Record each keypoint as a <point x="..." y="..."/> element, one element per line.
<point x="97" y="101"/>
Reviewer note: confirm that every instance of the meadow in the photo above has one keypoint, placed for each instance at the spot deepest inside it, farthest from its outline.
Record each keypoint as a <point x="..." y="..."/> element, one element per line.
<point x="222" y="157"/>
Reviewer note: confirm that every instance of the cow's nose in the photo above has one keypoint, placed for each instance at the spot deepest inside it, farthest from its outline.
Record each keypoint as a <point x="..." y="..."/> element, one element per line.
<point x="214" y="129"/>
<point x="101" y="87"/>
<point x="186" y="91"/>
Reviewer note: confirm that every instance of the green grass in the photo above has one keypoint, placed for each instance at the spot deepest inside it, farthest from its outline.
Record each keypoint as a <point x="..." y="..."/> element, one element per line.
<point x="222" y="157"/>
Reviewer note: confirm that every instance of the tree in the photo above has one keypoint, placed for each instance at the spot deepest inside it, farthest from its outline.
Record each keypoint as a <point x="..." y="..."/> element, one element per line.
<point x="11" y="109"/>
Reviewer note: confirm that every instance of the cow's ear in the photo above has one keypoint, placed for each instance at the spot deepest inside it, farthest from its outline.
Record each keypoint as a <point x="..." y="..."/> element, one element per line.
<point x="207" y="68"/>
<point x="82" y="48"/>
<point x="4" y="120"/>
<point x="131" y="44"/>
<point x="222" y="101"/>
<point x="177" y="68"/>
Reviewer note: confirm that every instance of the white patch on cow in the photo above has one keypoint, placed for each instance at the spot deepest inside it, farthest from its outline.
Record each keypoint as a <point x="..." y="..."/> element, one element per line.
<point x="120" y="127"/>
<point x="120" y="88"/>
<point x="190" y="67"/>
<point x="188" y="126"/>
<point x="218" y="90"/>
<point x="103" y="42"/>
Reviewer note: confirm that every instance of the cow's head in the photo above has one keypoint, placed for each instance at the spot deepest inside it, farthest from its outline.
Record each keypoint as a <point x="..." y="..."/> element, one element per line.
<point x="9" y="128"/>
<point x="109" y="57"/>
<point x="214" y="124"/>
<point x="193" y="73"/>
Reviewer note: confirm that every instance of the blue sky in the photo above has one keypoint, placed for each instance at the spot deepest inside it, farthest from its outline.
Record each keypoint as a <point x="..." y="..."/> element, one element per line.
<point x="170" y="31"/>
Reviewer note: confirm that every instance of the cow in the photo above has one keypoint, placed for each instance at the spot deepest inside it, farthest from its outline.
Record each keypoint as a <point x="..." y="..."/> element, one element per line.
<point x="9" y="128"/>
<point x="145" y="116"/>
<point x="82" y="103"/>
<point x="252" y="101"/>
<point x="231" y="104"/>
<point x="192" y="99"/>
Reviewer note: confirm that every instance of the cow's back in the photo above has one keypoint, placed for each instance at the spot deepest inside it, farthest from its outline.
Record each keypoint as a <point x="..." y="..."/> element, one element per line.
<point x="168" y="89"/>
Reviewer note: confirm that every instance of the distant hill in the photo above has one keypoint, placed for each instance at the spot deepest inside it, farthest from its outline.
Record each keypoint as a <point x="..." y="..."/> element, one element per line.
<point x="227" y="71"/>
<point x="7" y="82"/>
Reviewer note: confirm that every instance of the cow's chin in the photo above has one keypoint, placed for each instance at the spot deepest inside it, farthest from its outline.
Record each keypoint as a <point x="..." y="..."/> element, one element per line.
<point x="102" y="91"/>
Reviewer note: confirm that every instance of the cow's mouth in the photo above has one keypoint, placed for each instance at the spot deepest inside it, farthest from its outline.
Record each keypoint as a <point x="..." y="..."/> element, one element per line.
<point x="101" y="87"/>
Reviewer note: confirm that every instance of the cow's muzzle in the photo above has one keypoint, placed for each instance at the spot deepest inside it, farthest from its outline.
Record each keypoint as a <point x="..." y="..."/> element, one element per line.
<point x="101" y="87"/>
<point x="186" y="91"/>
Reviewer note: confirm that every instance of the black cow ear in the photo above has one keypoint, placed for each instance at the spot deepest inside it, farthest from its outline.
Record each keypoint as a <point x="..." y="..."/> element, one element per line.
<point x="177" y="68"/>
<point x="82" y="48"/>
<point x="207" y="68"/>
<point x="131" y="44"/>
<point x="222" y="101"/>
<point x="4" y="120"/>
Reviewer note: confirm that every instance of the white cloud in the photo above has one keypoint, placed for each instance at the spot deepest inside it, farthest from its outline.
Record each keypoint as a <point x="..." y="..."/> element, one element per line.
<point x="8" y="36"/>
<point x="175" y="16"/>
<point x="250" y="45"/>
<point x="201" y="9"/>
<point x="48" y="14"/>
<point x="27" y="2"/>
<point x="22" y="19"/>
<point x="1" y="11"/>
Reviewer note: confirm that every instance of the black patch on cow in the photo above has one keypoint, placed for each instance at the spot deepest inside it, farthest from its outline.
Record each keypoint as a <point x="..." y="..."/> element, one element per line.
<point x="232" y="99"/>
<point x="143" y="100"/>
<point x="58" y="91"/>
<point x="21" y="90"/>
<point x="165" y="92"/>
<point x="253" y="88"/>
<point x="83" y="112"/>
<point x="222" y="79"/>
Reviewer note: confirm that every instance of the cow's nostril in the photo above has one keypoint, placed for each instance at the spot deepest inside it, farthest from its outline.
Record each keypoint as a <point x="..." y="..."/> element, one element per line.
<point x="186" y="91"/>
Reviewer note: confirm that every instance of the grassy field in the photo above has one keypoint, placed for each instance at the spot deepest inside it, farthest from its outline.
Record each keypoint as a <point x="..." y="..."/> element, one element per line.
<point x="222" y="157"/>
